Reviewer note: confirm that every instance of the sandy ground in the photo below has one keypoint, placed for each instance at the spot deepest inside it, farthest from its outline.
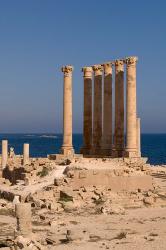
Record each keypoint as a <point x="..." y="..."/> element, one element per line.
<point x="143" y="228"/>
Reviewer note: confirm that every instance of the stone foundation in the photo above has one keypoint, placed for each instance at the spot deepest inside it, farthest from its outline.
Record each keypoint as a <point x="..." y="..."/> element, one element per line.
<point x="116" y="174"/>
<point x="109" y="179"/>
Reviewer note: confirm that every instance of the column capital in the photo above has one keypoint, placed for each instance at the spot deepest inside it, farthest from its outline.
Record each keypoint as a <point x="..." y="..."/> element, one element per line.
<point x="119" y="62"/>
<point x="131" y="60"/>
<point x="98" y="69"/>
<point x="119" y="65"/>
<point x="67" y="70"/>
<point x="87" y="72"/>
<point x="107" y="67"/>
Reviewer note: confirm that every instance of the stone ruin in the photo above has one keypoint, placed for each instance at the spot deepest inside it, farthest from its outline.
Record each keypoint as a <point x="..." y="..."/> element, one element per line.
<point x="109" y="171"/>
<point x="106" y="135"/>
<point x="99" y="139"/>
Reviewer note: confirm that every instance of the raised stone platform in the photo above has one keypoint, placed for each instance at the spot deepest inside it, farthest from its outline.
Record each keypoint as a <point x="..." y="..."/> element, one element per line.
<point x="116" y="183"/>
<point x="62" y="157"/>
<point x="116" y="174"/>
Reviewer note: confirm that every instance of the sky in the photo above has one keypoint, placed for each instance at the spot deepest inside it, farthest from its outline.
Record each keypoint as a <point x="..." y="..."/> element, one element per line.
<point x="37" y="37"/>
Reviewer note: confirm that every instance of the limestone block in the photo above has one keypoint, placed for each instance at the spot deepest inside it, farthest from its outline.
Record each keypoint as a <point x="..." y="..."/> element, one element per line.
<point x="74" y="235"/>
<point x="82" y="175"/>
<point x="16" y="199"/>
<point x="66" y="194"/>
<point x="58" y="181"/>
<point x="4" y="153"/>
<point x="26" y="154"/>
<point x="23" y="215"/>
<point x="95" y="172"/>
<point x="149" y="200"/>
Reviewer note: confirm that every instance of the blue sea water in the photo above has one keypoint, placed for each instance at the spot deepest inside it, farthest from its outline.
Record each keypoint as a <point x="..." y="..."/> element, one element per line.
<point x="153" y="145"/>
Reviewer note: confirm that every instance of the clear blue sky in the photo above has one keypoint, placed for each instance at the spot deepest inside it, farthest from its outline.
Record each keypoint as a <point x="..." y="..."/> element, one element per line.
<point x="37" y="37"/>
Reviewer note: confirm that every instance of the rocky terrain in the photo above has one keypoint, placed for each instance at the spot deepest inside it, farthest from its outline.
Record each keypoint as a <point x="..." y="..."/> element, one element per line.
<point x="70" y="215"/>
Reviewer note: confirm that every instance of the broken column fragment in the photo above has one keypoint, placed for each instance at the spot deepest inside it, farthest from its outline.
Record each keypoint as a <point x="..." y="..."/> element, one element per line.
<point x="23" y="216"/>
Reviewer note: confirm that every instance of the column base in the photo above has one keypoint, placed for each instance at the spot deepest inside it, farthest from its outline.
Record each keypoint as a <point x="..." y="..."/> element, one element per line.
<point x="67" y="151"/>
<point x="106" y="151"/>
<point x="96" y="151"/>
<point x="85" y="151"/>
<point x="131" y="154"/>
<point x="117" y="153"/>
<point x="139" y="154"/>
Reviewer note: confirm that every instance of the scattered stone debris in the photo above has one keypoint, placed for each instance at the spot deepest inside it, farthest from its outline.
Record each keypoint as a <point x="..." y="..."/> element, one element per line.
<point x="45" y="200"/>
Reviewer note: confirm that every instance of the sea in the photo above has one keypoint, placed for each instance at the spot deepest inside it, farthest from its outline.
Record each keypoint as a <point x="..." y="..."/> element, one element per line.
<point x="153" y="146"/>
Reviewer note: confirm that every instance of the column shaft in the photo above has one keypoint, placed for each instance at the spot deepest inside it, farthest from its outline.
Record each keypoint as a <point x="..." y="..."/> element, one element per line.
<point x="107" y="110"/>
<point x="4" y="153"/>
<point x="26" y="154"/>
<point x="131" y="112"/>
<point x="97" y="110"/>
<point x="87" y="126"/>
<point x="139" y="137"/>
<point x="119" y="108"/>
<point x="67" y="147"/>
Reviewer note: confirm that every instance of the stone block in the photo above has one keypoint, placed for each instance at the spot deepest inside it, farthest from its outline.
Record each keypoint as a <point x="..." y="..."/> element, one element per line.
<point x="66" y="194"/>
<point x="82" y="175"/>
<point x="23" y="215"/>
<point x="95" y="172"/>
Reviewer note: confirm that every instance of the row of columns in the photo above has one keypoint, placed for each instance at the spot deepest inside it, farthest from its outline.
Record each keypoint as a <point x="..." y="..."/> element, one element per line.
<point x="98" y="134"/>
<point x="4" y="155"/>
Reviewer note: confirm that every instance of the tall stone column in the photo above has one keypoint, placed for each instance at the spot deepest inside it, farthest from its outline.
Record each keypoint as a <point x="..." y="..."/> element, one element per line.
<point x="139" y="137"/>
<point x="97" y="110"/>
<point x="107" y="110"/>
<point x="67" y="147"/>
<point x="87" y="127"/>
<point x="4" y="153"/>
<point x="119" y="109"/>
<point x="26" y="154"/>
<point x="131" y="109"/>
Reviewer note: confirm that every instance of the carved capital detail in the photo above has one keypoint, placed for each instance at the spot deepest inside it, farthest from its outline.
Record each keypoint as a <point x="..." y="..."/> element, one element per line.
<point x="87" y="72"/>
<point x="98" y="69"/>
<point x="107" y="67"/>
<point x="119" y="63"/>
<point x="67" y="70"/>
<point x="131" y="60"/>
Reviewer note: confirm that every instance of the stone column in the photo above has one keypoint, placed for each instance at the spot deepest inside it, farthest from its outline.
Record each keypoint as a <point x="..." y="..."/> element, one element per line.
<point x="119" y="109"/>
<point x="23" y="216"/>
<point x="87" y="127"/>
<point x="107" y="110"/>
<point x="131" y="112"/>
<point x="139" y="137"/>
<point x="67" y="147"/>
<point x="26" y="154"/>
<point x="97" y="110"/>
<point x="4" y="153"/>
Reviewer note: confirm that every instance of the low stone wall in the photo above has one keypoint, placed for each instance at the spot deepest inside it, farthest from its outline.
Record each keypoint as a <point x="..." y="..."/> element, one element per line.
<point x="113" y="179"/>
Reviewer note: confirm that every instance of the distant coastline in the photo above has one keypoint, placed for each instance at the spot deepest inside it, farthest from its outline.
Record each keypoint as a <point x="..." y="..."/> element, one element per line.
<point x="41" y="144"/>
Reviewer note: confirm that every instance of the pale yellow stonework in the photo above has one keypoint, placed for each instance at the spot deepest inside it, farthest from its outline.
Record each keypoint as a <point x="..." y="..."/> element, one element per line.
<point x="67" y="147"/>
<point x="26" y="154"/>
<point x="139" y="137"/>
<point x="131" y="107"/>
<point x="23" y="215"/>
<point x="4" y="153"/>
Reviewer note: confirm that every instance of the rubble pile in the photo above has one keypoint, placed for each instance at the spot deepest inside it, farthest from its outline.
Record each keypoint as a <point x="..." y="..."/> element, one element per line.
<point x="56" y="191"/>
